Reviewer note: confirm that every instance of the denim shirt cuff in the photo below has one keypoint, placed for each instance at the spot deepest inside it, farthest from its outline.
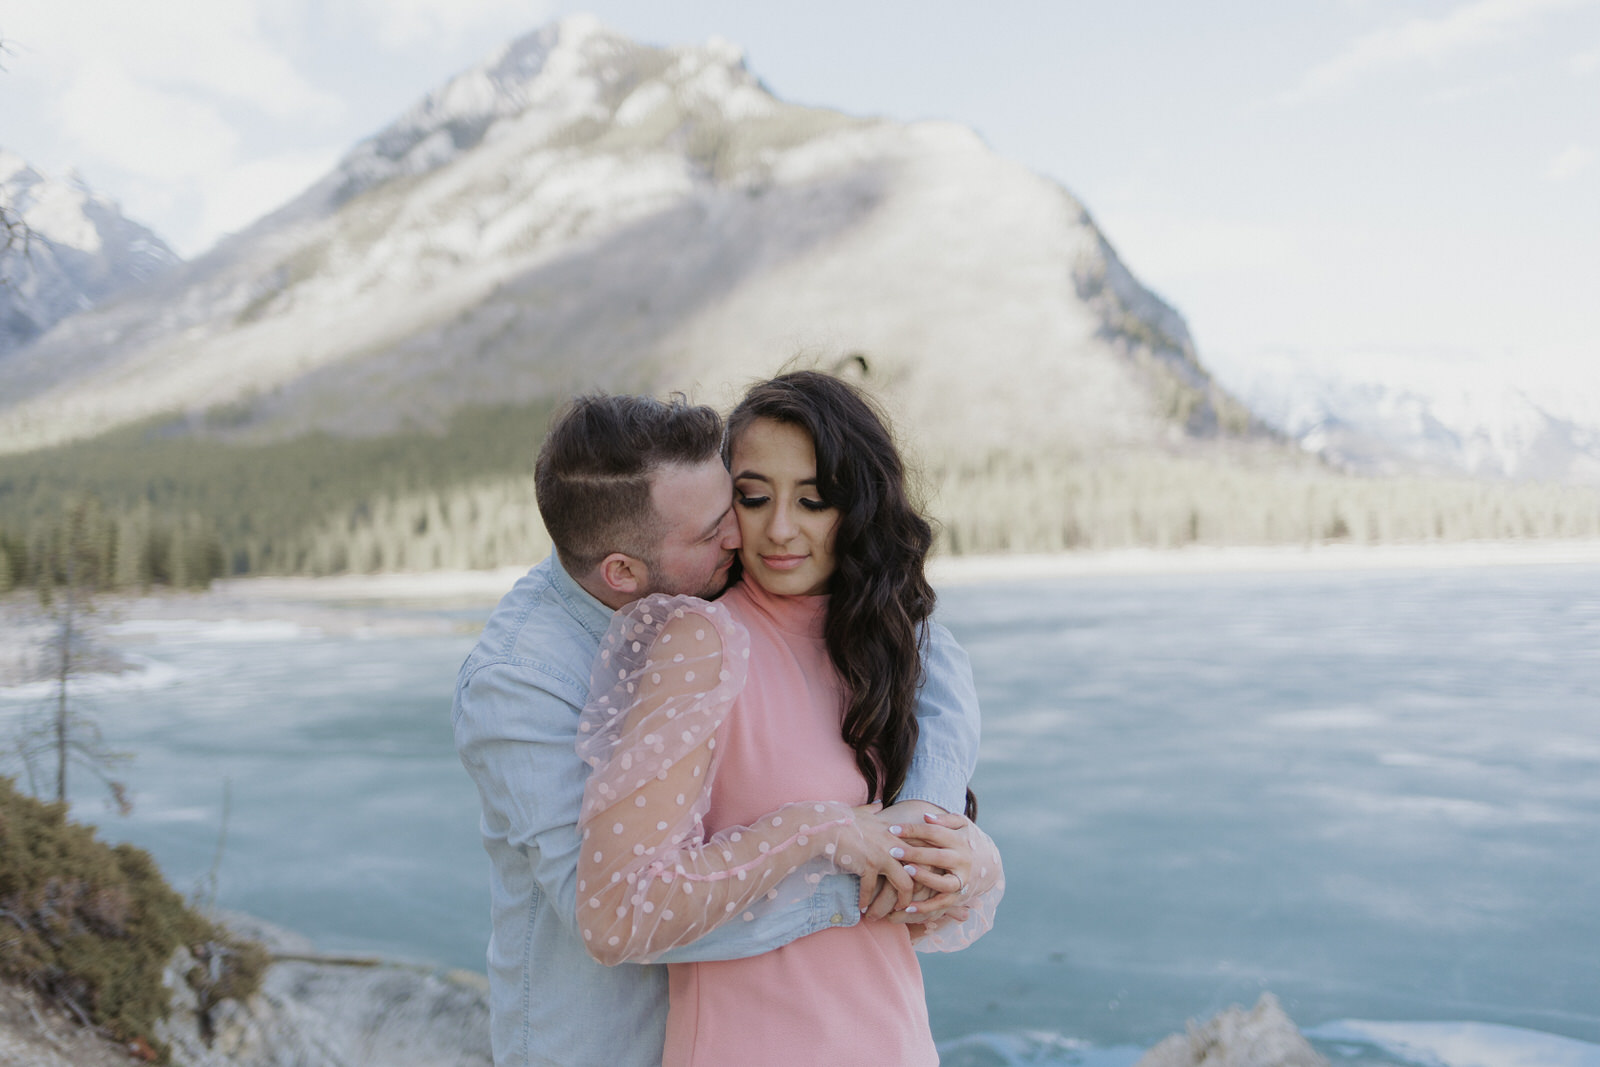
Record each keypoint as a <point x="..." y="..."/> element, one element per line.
<point x="837" y="902"/>
<point x="936" y="781"/>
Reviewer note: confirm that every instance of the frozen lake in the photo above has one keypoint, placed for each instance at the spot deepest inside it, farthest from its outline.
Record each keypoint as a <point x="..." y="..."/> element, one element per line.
<point x="1375" y="794"/>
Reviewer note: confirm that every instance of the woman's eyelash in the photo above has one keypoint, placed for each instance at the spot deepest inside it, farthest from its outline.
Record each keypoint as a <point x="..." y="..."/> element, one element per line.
<point x="805" y="502"/>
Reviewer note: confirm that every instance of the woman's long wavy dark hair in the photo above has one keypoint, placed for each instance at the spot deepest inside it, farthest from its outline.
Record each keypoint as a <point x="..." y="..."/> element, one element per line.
<point x="879" y="598"/>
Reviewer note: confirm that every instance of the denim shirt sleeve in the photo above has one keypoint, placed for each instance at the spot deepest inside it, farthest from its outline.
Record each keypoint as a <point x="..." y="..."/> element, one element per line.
<point x="516" y="731"/>
<point x="835" y="902"/>
<point x="948" y="725"/>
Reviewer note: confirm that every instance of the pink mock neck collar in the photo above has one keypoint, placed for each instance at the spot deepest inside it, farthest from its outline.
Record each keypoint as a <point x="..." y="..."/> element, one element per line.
<point x="802" y="615"/>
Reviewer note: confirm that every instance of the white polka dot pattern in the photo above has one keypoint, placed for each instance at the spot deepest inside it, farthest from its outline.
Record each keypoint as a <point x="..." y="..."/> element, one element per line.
<point x="664" y="882"/>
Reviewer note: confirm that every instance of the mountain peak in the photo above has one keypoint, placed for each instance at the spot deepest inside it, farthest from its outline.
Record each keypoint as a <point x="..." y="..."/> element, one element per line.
<point x="579" y="210"/>
<point x="80" y="250"/>
<point x="566" y="75"/>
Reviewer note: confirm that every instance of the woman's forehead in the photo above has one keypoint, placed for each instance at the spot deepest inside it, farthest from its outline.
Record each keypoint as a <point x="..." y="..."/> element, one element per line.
<point x="766" y="447"/>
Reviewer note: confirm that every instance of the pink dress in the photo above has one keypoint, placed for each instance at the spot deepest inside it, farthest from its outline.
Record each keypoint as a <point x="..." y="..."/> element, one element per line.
<point x="713" y="729"/>
<point x="847" y="995"/>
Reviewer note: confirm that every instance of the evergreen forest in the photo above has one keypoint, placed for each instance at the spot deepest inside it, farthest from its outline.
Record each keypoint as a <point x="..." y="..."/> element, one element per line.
<point x="158" y="505"/>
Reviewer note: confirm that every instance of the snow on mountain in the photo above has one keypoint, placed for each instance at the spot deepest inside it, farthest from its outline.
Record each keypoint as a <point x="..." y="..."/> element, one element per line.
<point x="79" y="250"/>
<point x="582" y="211"/>
<point x="1400" y="416"/>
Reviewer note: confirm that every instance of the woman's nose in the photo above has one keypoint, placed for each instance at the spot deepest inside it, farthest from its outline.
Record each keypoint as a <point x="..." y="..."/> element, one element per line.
<point x="782" y="526"/>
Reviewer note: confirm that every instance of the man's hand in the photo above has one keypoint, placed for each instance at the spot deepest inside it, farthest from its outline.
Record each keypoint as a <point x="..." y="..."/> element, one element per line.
<point x="879" y="863"/>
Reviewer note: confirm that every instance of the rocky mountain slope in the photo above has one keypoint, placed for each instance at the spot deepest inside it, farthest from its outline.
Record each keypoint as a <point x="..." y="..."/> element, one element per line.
<point x="580" y="210"/>
<point x="78" y="250"/>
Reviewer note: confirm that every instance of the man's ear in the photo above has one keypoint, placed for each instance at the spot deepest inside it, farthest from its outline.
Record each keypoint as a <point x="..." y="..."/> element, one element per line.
<point x="625" y="574"/>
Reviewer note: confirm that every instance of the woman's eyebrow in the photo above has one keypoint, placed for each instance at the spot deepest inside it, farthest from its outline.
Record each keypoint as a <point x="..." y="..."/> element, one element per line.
<point x="752" y="476"/>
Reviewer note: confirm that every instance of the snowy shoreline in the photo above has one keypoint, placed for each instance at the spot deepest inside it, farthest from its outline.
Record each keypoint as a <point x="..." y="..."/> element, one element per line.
<point x="470" y="587"/>
<point x="1198" y="559"/>
<point x="397" y="604"/>
<point x="340" y="602"/>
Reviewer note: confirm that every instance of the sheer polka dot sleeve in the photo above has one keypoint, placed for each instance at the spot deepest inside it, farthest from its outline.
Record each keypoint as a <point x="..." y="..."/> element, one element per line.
<point x="650" y="879"/>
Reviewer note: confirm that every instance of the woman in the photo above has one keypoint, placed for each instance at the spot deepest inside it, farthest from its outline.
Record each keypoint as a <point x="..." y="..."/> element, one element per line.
<point x="725" y="720"/>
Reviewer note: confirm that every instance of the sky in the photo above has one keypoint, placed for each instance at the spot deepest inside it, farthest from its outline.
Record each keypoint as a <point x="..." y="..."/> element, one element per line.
<point x="1383" y="183"/>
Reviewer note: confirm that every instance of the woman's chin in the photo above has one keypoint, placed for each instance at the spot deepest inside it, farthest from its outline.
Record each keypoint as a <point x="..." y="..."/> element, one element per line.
<point x="799" y="582"/>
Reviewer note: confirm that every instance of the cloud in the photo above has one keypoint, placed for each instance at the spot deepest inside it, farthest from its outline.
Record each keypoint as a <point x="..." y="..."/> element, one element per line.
<point x="213" y="48"/>
<point x="133" y="126"/>
<point x="249" y="190"/>
<point x="1182" y="246"/>
<point x="1423" y="40"/>
<point x="162" y="99"/>
<point x="401" y="24"/>
<point x="1585" y="63"/>
<point x="1570" y="162"/>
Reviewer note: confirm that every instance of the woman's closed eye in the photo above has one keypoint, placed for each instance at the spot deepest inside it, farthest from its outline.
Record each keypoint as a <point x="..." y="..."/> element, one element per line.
<point x="752" y="502"/>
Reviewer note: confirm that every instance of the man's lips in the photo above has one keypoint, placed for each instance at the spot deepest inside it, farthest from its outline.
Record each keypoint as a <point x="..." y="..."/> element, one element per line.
<point x="784" y="563"/>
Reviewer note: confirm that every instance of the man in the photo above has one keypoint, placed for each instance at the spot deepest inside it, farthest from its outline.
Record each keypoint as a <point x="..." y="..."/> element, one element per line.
<point x="636" y="500"/>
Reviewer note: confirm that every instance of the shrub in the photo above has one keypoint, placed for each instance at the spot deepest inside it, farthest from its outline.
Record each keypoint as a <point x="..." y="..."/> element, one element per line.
<point x="93" y="926"/>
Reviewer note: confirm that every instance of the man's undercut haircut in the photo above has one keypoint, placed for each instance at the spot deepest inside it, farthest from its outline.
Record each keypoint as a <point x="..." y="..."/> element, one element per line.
<point x="594" y="472"/>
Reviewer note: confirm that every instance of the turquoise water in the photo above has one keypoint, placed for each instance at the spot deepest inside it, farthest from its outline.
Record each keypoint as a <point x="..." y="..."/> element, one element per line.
<point x="1374" y="794"/>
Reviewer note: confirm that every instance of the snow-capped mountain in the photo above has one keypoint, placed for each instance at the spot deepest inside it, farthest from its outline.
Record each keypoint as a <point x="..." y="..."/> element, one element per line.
<point x="1390" y="417"/>
<point x="582" y="211"/>
<point x="79" y="250"/>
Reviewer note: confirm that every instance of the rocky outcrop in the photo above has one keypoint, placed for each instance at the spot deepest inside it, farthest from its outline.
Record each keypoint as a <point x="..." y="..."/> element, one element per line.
<point x="319" y="1011"/>
<point x="36" y="1033"/>
<point x="1262" y="1037"/>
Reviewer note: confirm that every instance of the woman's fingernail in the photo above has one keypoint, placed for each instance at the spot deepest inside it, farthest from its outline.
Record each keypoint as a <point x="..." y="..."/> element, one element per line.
<point x="911" y="870"/>
<point x="911" y="907"/>
<point x="897" y="853"/>
<point x="895" y="830"/>
<point x="930" y="817"/>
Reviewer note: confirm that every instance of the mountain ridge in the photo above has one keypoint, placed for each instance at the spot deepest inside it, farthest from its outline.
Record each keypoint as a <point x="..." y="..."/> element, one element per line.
<point x="582" y="211"/>
<point x="76" y="248"/>
<point x="1381" y="420"/>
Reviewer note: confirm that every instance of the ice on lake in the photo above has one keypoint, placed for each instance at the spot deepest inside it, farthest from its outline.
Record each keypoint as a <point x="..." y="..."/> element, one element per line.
<point x="1374" y="794"/>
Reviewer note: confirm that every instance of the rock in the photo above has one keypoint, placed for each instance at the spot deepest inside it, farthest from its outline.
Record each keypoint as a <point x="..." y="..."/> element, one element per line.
<point x="327" y="1012"/>
<point x="1262" y="1037"/>
<point x="36" y="1033"/>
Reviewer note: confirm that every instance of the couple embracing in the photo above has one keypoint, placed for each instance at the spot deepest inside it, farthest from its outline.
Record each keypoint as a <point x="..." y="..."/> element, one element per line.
<point x="721" y="818"/>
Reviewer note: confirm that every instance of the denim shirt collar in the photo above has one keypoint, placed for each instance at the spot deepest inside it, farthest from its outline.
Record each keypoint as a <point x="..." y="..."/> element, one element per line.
<point x="592" y="615"/>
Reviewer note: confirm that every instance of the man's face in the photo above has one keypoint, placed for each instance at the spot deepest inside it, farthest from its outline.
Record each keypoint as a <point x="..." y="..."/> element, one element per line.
<point x="700" y="538"/>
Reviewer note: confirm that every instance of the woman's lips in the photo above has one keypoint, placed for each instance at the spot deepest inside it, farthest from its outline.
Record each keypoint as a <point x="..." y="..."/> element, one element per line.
<point x="784" y="563"/>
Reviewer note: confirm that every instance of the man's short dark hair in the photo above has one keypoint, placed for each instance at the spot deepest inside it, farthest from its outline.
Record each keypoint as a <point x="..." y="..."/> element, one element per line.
<point x="595" y="467"/>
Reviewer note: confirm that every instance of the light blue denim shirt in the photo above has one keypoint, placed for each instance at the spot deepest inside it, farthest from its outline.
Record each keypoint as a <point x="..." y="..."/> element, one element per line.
<point x="517" y="702"/>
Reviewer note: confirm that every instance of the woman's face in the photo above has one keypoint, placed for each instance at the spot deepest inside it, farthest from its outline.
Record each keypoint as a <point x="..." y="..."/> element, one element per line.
<point x="786" y="528"/>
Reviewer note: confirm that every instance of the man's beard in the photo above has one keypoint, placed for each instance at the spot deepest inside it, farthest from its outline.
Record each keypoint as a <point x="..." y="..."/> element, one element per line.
<point x="735" y="572"/>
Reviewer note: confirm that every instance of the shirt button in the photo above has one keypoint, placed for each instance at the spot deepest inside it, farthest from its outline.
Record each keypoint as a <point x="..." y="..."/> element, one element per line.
<point x="837" y="919"/>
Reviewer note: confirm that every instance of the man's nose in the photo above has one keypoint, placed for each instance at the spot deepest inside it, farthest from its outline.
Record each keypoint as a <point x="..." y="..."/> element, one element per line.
<point x="730" y="532"/>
